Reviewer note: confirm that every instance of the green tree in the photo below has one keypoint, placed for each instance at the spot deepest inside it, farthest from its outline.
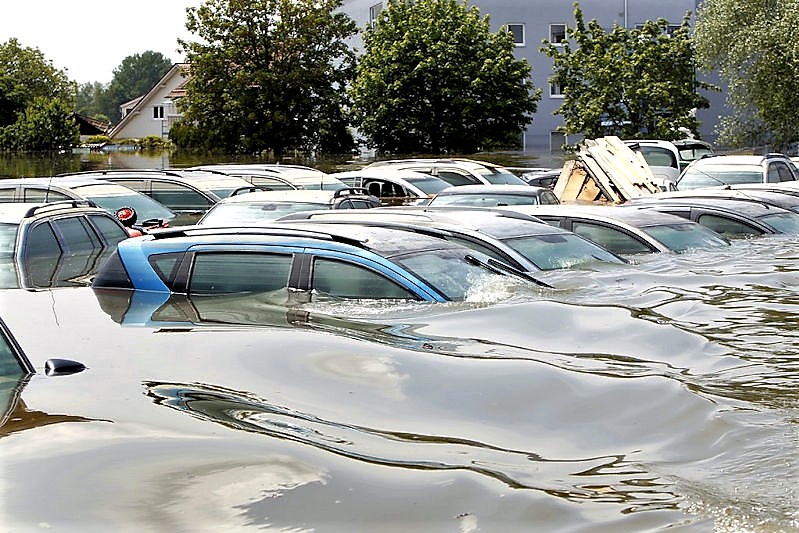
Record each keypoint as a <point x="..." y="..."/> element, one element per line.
<point x="267" y="75"/>
<point x="136" y="75"/>
<point x="45" y="124"/>
<point x="750" y="45"/>
<point x="89" y="100"/>
<point x="33" y="95"/>
<point x="26" y="74"/>
<point x="633" y="83"/>
<point x="434" y="78"/>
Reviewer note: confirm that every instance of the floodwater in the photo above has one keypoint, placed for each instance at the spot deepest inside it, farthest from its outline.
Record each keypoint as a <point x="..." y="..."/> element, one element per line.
<point x="658" y="396"/>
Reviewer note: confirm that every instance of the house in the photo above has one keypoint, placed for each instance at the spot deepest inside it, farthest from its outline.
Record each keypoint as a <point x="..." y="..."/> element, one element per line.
<point x="534" y="21"/>
<point x="155" y="112"/>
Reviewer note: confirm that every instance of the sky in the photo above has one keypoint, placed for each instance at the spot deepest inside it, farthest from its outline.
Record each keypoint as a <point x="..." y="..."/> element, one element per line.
<point x="89" y="39"/>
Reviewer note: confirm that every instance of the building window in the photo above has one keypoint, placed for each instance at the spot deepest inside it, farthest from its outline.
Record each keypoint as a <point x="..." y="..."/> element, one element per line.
<point x="374" y="12"/>
<point x="517" y="30"/>
<point x="557" y="140"/>
<point x="158" y="111"/>
<point x="555" y="90"/>
<point x="557" y="33"/>
<point x="670" y="29"/>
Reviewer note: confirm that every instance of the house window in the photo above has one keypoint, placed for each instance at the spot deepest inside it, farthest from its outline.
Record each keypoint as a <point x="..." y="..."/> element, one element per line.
<point x="557" y="140"/>
<point x="517" y="30"/>
<point x="374" y="12"/>
<point x="555" y="90"/>
<point x="158" y="111"/>
<point x="557" y="33"/>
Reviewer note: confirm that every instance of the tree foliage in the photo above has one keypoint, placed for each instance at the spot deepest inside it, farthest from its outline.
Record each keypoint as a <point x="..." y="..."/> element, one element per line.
<point x="45" y="124"/>
<point x="633" y="83"/>
<point x="434" y="78"/>
<point x="267" y="75"/>
<point x="750" y="45"/>
<point x="136" y="75"/>
<point x="36" y="101"/>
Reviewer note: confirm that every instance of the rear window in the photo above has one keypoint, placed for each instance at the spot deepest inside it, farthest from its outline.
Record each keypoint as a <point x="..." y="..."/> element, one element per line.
<point x="715" y="175"/>
<point x="113" y="274"/>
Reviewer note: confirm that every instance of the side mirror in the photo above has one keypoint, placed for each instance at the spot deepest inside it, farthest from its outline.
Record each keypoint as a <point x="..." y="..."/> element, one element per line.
<point x="62" y="367"/>
<point x="127" y="215"/>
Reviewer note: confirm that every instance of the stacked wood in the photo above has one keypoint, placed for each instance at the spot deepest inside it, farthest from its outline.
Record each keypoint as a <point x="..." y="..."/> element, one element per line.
<point x="605" y="170"/>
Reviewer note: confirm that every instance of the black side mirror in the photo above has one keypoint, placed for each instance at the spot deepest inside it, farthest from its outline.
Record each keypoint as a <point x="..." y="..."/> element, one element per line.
<point x="62" y="367"/>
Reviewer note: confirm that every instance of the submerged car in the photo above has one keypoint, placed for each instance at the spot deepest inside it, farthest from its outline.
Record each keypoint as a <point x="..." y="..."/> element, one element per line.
<point x="494" y="195"/>
<point x="395" y="186"/>
<point x="110" y="196"/>
<point x="731" y="216"/>
<point x="339" y="261"/>
<point x="455" y="171"/>
<point x="266" y="206"/>
<point x="189" y="194"/>
<point x="54" y="245"/>
<point x="521" y="241"/>
<point x="736" y="169"/>
<point x="663" y="159"/>
<point x="627" y="230"/>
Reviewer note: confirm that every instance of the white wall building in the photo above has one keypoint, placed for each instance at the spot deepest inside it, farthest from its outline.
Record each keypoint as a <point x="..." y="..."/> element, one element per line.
<point x="155" y="112"/>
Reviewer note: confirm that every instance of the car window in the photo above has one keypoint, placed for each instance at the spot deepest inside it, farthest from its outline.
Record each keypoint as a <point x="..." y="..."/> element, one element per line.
<point x="229" y="272"/>
<point x="783" y="172"/>
<point x="42" y="241"/>
<point x="347" y="280"/>
<point x="497" y="176"/>
<point x="356" y="204"/>
<point x="454" y="177"/>
<point x="11" y="367"/>
<point x="773" y="175"/>
<point x="8" y="238"/>
<point x="447" y="271"/>
<point x="658" y="156"/>
<point x="245" y="213"/>
<point x="562" y="250"/>
<point x="714" y="175"/>
<point x="489" y="251"/>
<point x="728" y="227"/>
<point x="111" y="232"/>
<point x="615" y="240"/>
<point x="7" y="194"/>
<point x="43" y="195"/>
<point x="549" y="198"/>
<point x="77" y="234"/>
<point x="179" y="197"/>
<point x="136" y="185"/>
<point x="782" y="222"/>
<point x="681" y="237"/>
<point x="265" y="181"/>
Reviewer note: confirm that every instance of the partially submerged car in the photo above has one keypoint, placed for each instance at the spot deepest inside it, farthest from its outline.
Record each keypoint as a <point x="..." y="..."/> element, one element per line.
<point x="663" y="159"/>
<point x="455" y="171"/>
<point x="341" y="261"/>
<point x="266" y="206"/>
<point x="736" y="169"/>
<point x="56" y="244"/>
<point x="731" y="216"/>
<point x="494" y="195"/>
<point x="110" y="196"/>
<point x="189" y="194"/>
<point x="627" y="230"/>
<point x="520" y="241"/>
<point x="395" y="186"/>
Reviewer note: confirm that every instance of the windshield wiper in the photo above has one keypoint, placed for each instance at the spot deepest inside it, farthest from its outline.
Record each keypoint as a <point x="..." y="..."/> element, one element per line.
<point x="498" y="267"/>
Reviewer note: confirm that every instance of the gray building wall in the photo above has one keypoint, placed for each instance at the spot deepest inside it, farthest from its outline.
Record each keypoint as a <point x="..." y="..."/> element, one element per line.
<point x="536" y="17"/>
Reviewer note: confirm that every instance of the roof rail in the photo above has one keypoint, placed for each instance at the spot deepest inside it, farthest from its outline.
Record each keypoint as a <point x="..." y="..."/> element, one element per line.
<point x="61" y="204"/>
<point x="288" y="231"/>
<point x="111" y="171"/>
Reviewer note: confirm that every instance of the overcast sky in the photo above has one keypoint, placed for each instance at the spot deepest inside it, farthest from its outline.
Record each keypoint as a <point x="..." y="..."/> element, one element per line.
<point x="89" y="39"/>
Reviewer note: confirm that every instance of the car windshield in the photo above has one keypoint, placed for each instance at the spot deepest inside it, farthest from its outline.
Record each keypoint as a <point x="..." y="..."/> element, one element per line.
<point x="112" y="197"/>
<point x="8" y="238"/>
<point x="448" y="271"/>
<point x="715" y="175"/>
<point x="429" y="185"/>
<point x="485" y="200"/>
<point x="681" y="237"/>
<point x="237" y="214"/>
<point x="782" y="222"/>
<point x="559" y="250"/>
<point x="499" y="176"/>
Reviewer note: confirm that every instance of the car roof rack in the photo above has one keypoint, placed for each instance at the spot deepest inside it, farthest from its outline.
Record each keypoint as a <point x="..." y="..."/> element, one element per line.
<point x="287" y="231"/>
<point x="111" y="171"/>
<point x="55" y="206"/>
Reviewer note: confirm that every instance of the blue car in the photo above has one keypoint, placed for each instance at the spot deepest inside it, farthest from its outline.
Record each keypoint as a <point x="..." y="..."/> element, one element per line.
<point x="341" y="261"/>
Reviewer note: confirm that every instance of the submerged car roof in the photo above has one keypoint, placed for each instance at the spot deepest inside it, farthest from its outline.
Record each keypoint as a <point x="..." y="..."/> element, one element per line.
<point x="384" y="241"/>
<point x="629" y="214"/>
<point x="751" y="207"/>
